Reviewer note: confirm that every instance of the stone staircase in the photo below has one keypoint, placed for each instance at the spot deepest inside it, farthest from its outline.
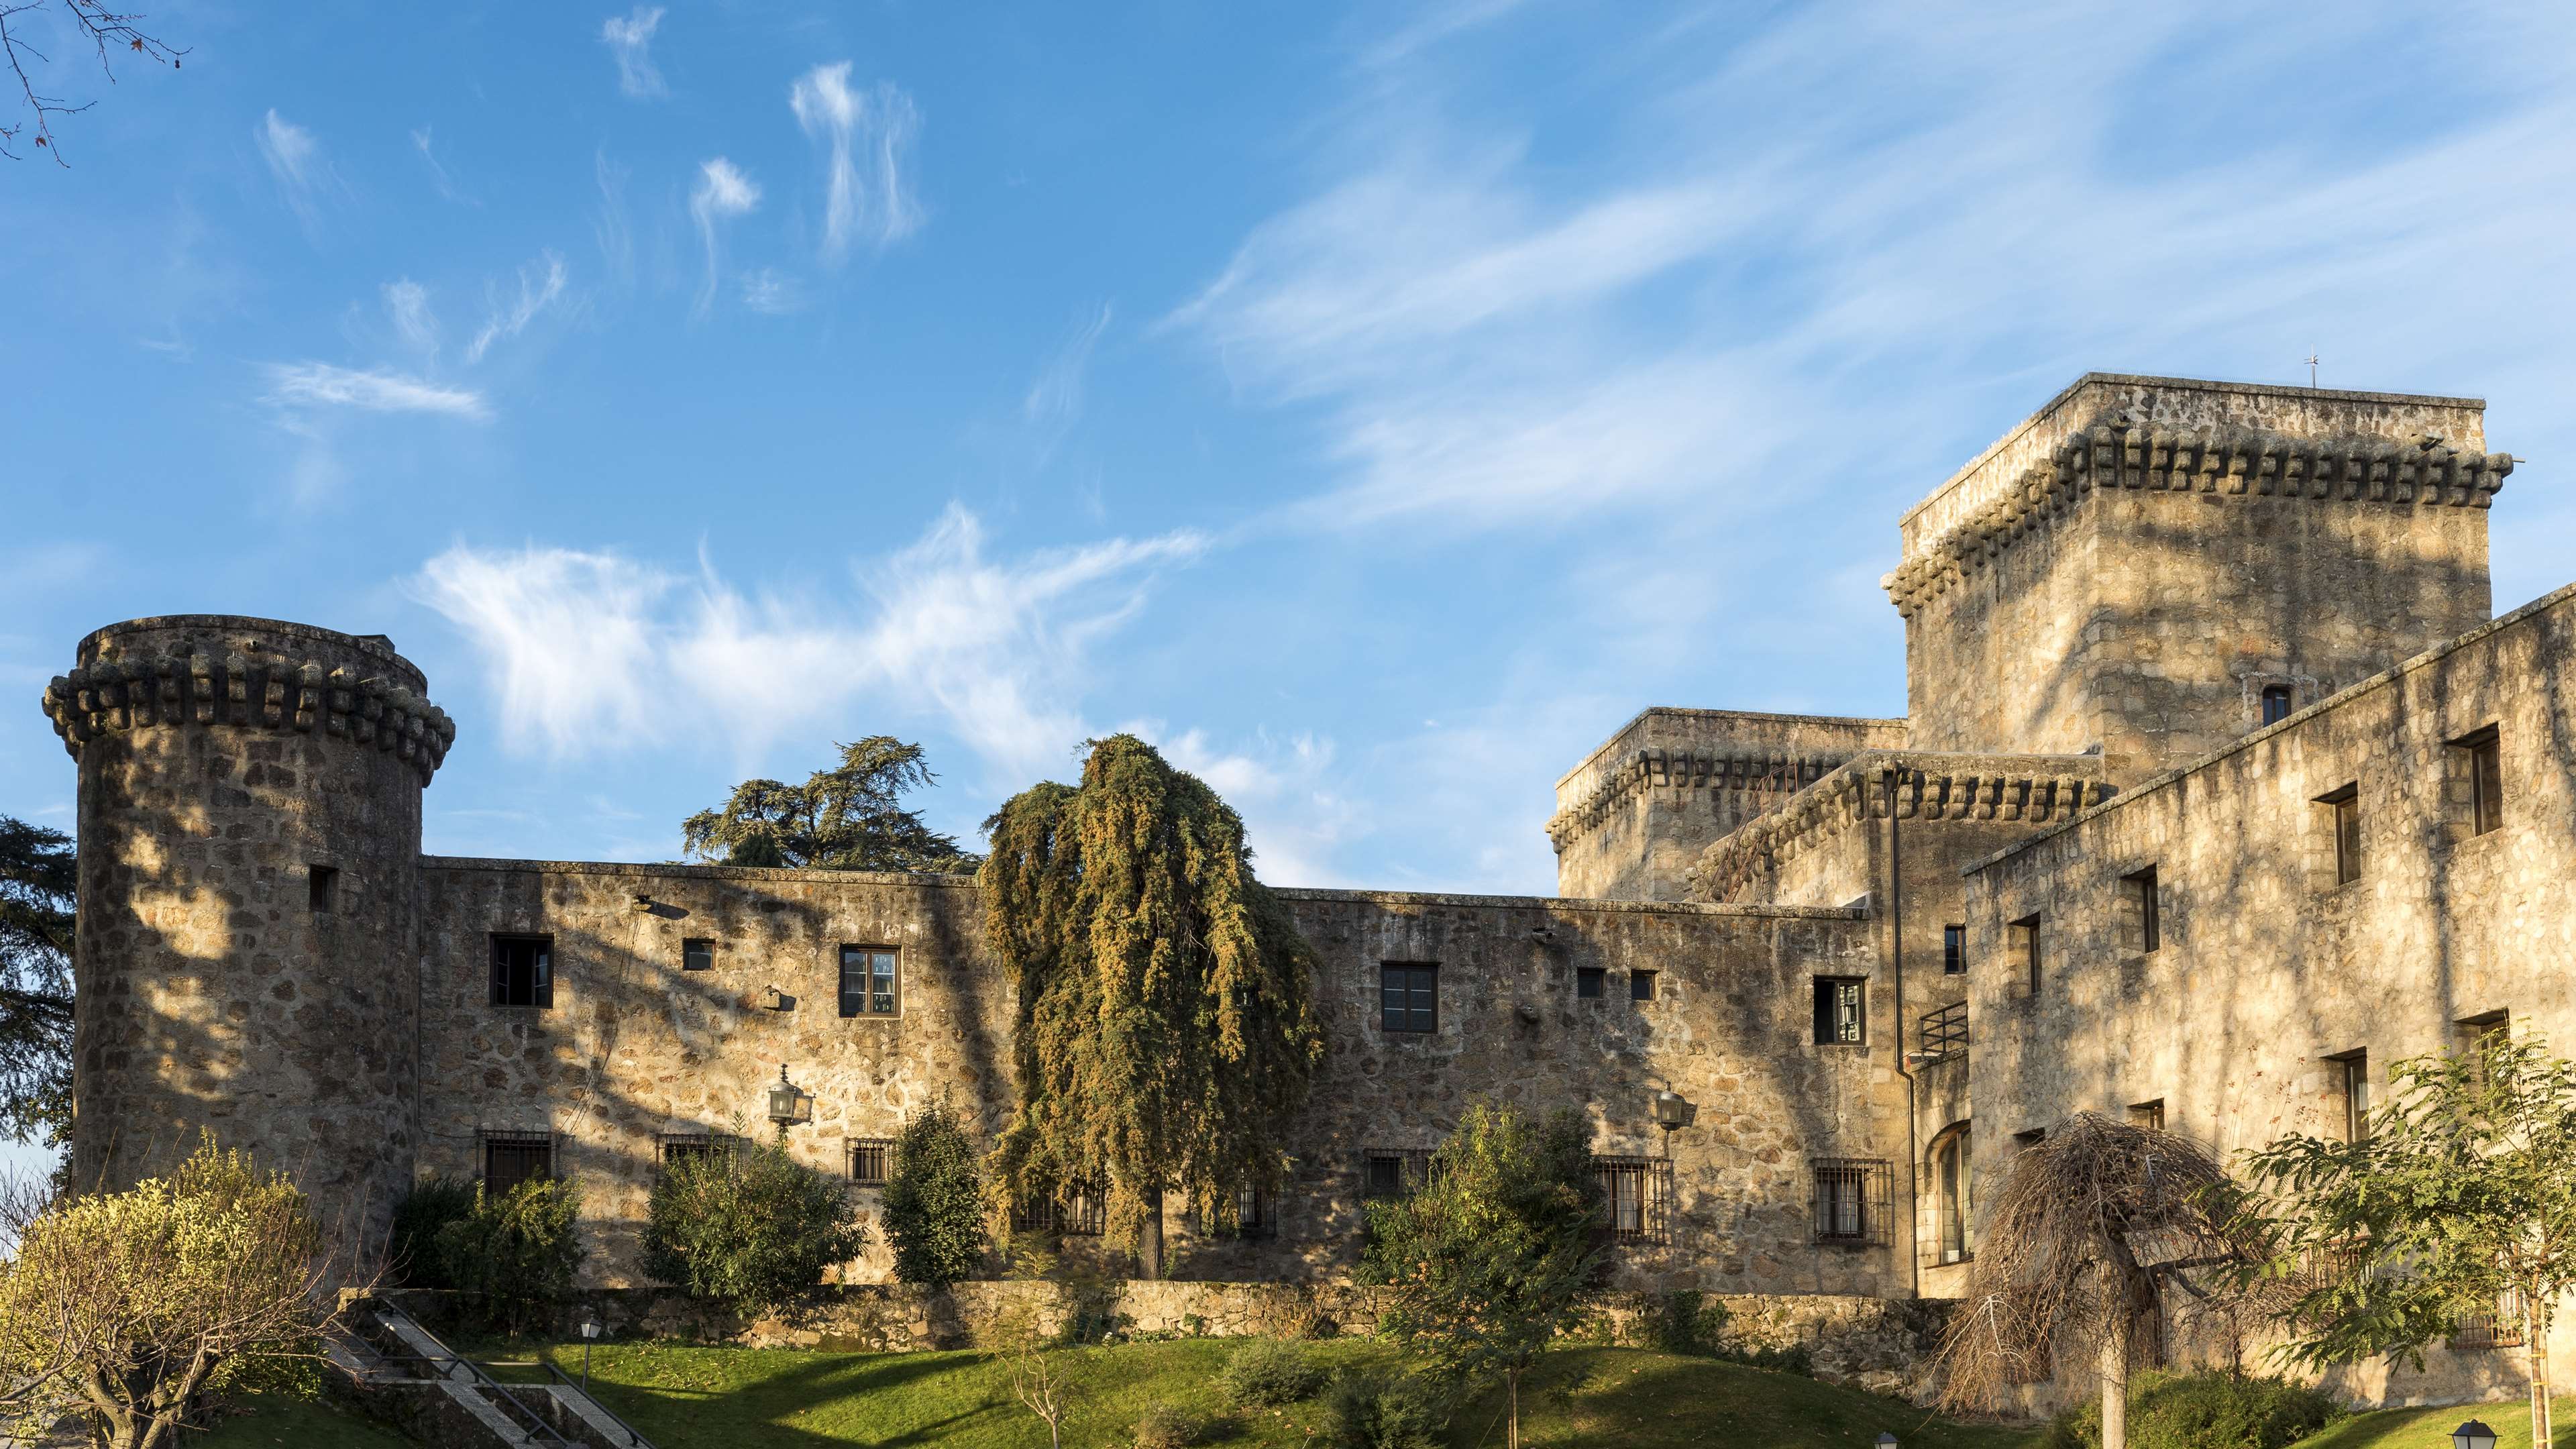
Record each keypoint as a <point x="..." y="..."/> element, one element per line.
<point x="392" y="1360"/>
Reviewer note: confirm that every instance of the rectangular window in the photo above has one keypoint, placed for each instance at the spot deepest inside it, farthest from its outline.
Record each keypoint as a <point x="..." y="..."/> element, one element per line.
<point x="2025" y="937"/>
<point x="677" y="1146"/>
<point x="2480" y="759"/>
<point x="2142" y="897"/>
<point x="2276" y="704"/>
<point x="523" y="971"/>
<point x="511" y="1158"/>
<point x="1839" y="1017"/>
<point x="1954" y="950"/>
<point x="867" y="981"/>
<point x="1255" y="1216"/>
<point x="2150" y="1115"/>
<point x="1851" y="1200"/>
<point x="2469" y="1039"/>
<point x="871" y="1158"/>
<point x="1636" y="1198"/>
<point x="1587" y="982"/>
<point x="1393" y="1171"/>
<point x="1641" y="986"/>
<point x="1079" y="1212"/>
<point x="2343" y="818"/>
<point x="1408" y="997"/>
<point x="2351" y="1084"/>
<point x="320" y="882"/>
<point x="697" y="955"/>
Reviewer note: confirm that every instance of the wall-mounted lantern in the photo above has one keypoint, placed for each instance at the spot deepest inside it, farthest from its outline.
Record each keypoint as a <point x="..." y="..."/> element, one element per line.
<point x="789" y="1104"/>
<point x="1673" y="1112"/>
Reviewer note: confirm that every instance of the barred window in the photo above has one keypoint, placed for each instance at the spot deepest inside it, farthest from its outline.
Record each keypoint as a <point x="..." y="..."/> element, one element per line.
<point x="1255" y="1216"/>
<point x="1636" y="1198"/>
<point x="871" y="1159"/>
<point x="2504" y="1328"/>
<point x="1080" y="1212"/>
<point x="1851" y="1200"/>
<point x="868" y="981"/>
<point x="511" y="1158"/>
<point x="679" y="1146"/>
<point x="1394" y="1171"/>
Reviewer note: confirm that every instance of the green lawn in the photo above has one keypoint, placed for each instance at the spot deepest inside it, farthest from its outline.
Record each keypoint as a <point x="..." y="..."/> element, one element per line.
<point x="283" y="1423"/>
<point x="2431" y="1428"/>
<point x="703" y="1398"/>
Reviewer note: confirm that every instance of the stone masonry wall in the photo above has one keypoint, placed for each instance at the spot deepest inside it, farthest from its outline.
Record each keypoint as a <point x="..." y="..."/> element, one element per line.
<point x="2267" y="966"/>
<point x="635" y="1047"/>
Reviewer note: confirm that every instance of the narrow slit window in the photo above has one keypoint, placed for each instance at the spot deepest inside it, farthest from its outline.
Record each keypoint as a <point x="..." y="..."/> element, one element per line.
<point x="868" y="981"/>
<point x="2483" y="762"/>
<point x="1954" y="950"/>
<point x="1840" y="1017"/>
<point x="321" y="884"/>
<point x="1587" y="982"/>
<point x="523" y="971"/>
<point x="1408" y="997"/>
<point x="2343" y="818"/>
<point x="697" y="955"/>
<point x="2026" y="941"/>
<point x="2276" y="703"/>
<point x="2142" y="894"/>
<point x="2352" y="1093"/>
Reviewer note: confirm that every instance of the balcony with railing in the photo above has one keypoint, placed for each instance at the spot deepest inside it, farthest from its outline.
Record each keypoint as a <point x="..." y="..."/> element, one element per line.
<point x="1943" y="1034"/>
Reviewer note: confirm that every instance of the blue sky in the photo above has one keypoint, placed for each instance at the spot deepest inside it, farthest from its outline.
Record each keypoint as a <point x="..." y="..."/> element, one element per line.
<point x="1374" y="405"/>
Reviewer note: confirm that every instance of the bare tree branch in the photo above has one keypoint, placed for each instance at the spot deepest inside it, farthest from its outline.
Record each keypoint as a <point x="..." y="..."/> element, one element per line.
<point x="108" y="32"/>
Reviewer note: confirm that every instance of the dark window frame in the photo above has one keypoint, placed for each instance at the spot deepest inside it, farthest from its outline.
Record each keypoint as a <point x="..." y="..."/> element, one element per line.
<point x="2343" y="826"/>
<point x="1256" y="1217"/>
<point x="2026" y="938"/>
<point x="868" y="1002"/>
<point x="2276" y="703"/>
<point x="1952" y="1171"/>
<point x="669" y="1147"/>
<point x="1590" y="983"/>
<point x="539" y="984"/>
<point x="1077" y="1212"/>
<point x="1954" y="950"/>
<point x="1830" y="994"/>
<point x="2483" y="752"/>
<point x="2352" y="1091"/>
<point x="1417" y="984"/>
<point x="2149" y="1114"/>
<point x="497" y="1147"/>
<point x="1852" y="1201"/>
<point x="698" y="953"/>
<point x="321" y="888"/>
<point x="2142" y="888"/>
<point x="1410" y="1168"/>
<point x="870" y="1160"/>
<point x="1642" y="985"/>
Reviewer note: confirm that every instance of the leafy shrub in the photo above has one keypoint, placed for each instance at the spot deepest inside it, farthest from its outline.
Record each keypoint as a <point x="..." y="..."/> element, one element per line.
<point x="1794" y="1359"/>
<point x="2205" y="1410"/>
<point x="1370" y="1412"/>
<point x="1164" y="1427"/>
<point x="750" y="1228"/>
<point x="1682" y="1322"/>
<point x="432" y="1204"/>
<point x="512" y="1257"/>
<point x="1267" y="1373"/>
<point x="934" y="1201"/>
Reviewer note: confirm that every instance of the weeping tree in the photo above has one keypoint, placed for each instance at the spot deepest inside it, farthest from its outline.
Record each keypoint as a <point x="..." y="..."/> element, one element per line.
<point x="848" y="817"/>
<point x="1166" y="1029"/>
<point x="38" y="876"/>
<point x="2090" y="1223"/>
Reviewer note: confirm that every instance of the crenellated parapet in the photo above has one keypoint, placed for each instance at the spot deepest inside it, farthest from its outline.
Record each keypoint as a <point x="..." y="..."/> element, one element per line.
<point x="1761" y="781"/>
<point x="2118" y="453"/>
<point x="266" y="692"/>
<point x="2032" y="790"/>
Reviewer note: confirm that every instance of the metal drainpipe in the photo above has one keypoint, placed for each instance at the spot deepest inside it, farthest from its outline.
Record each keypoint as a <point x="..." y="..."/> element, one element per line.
<point x="1896" y="937"/>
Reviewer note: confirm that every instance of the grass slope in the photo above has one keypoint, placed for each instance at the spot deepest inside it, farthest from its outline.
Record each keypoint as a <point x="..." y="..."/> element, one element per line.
<point x="729" y="1398"/>
<point x="283" y="1423"/>
<point x="2431" y="1428"/>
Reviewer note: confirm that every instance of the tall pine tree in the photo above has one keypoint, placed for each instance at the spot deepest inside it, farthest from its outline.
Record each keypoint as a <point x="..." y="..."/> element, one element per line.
<point x="1166" y="1029"/>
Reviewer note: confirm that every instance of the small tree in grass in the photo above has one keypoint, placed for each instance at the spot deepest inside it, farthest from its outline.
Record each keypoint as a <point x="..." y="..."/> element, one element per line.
<point x="934" y="1200"/>
<point x="2460" y="1196"/>
<point x="751" y="1227"/>
<point x="139" y="1308"/>
<point x="1490" y="1260"/>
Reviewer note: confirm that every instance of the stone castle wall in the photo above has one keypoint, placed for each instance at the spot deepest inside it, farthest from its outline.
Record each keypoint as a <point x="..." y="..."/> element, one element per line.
<point x="2267" y="966"/>
<point x="634" y="1046"/>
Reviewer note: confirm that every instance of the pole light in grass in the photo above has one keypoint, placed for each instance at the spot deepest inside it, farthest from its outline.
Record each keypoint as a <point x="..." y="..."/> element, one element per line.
<point x="589" y="1331"/>
<point x="1885" y="1440"/>
<point x="2473" y="1435"/>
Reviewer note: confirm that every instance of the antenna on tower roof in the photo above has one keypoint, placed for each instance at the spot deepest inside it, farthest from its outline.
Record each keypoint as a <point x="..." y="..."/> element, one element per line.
<point x="2312" y="367"/>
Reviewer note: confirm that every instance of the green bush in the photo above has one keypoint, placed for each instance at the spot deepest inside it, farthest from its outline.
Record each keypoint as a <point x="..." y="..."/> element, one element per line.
<point x="2205" y="1410"/>
<point x="432" y="1204"/>
<point x="1682" y="1322"/>
<point x="934" y="1201"/>
<point x="1164" y="1427"/>
<point x="512" y="1258"/>
<point x="1795" y="1359"/>
<point x="1370" y="1412"/>
<point x="750" y="1228"/>
<point x="1269" y="1372"/>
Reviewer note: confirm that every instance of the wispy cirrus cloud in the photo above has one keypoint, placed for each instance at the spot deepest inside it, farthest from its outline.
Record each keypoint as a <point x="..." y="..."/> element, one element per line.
<point x="1054" y="401"/>
<point x="322" y="385"/>
<point x="629" y="39"/>
<point x="421" y="141"/>
<point x="592" y="651"/>
<point x="772" y="292"/>
<point x="541" y="283"/>
<point x="295" y="161"/>
<point x="407" y="303"/>
<point x="867" y="139"/>
<point x="723" y="192"/>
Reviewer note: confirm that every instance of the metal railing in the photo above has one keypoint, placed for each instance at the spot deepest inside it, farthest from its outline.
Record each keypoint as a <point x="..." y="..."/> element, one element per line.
<point x="539" y="1429"/>
<point x="633" y="1435"/>
<point x="1940" y="1035"/>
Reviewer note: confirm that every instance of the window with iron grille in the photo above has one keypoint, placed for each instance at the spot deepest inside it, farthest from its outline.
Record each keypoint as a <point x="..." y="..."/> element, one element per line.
<point x="679" y="1146"/>
<point x="1255" y="1216"/>
<point x="1636" y="1198"/>
<point x="523" y="971"/>
<point x="1851" y="1200"/>
<point x="868" y="982"/>
<point x="1081" y="1212"/>
<point x="871" y="1160"/>
<point x="2503" y="1328"/>
<point x="511" y="1158"/>
<point x="1408" y="997"/>
<point x="1394" y="1171"/>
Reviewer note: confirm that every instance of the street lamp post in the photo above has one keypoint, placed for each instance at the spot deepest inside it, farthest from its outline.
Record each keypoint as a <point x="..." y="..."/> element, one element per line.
<point x="589" y="1331"/>
<point x="2473" y="1435"/>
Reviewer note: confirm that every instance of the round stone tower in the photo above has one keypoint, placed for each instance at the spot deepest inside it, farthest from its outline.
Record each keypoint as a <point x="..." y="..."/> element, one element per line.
<point x="249" y="939"/>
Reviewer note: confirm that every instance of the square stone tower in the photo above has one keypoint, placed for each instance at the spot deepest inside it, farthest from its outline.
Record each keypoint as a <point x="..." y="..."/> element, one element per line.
<point x="2147" y="564"/>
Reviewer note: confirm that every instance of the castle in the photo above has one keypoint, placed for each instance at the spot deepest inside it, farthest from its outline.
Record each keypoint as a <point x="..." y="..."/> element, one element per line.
<point x="2218" y="790"/>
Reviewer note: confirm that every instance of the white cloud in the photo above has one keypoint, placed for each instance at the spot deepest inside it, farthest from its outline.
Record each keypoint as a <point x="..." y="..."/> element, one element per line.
<point x="630" y="40"/>
<point x="1297" y="813"/>
<point x="723" y="191"/>
<point x="321" y="385"/>
<point x="295" y="160"/>
<point x="447" y="187"/>
<point x="868" y="143"/>
<point x="407" y="302"/>
<point x="596" y="653"/>
<point x="773" y="292"/>
<point x="1054" y="401"/>
<point x="510" y="316"/>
